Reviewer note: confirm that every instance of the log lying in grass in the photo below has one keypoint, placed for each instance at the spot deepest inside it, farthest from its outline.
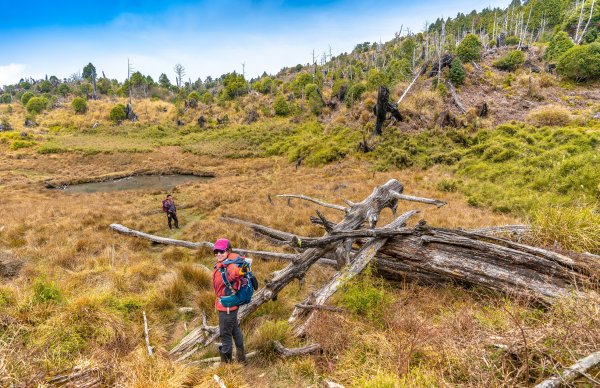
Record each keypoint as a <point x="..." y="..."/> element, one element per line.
<point x="367" y="210"/>
<point x="279" y="348"/>
<point x="574" y="371"/>
<point x="422" y="252"/>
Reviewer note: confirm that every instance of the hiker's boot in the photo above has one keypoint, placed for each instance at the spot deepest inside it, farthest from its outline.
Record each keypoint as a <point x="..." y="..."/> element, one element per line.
<point x="226" y="357"/>
<point x="241" y="357"/>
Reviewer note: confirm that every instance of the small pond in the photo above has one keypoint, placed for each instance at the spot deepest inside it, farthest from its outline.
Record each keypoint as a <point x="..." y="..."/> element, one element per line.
<point x="136" y="182"/>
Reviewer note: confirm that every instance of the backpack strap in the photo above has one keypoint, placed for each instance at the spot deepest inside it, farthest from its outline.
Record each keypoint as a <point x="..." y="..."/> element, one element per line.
<point x="223" y="271"/>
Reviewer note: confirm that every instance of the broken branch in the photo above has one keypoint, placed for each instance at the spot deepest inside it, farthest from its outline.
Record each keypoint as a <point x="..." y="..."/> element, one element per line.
<point x="572" y="372"/>
<point x="324" y="204"/>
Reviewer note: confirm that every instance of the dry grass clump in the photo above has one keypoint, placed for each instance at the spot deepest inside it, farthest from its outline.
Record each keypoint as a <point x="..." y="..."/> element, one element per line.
<point x="571" y="229"/>
<point x="547" y="80"/>
<point x="424" y="105"/>
<point x="549" y="115"/>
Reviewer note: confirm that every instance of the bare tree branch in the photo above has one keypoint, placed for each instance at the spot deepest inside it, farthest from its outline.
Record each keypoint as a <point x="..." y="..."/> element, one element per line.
<point x="318" y="202"/>
<point x="572" y="372"/>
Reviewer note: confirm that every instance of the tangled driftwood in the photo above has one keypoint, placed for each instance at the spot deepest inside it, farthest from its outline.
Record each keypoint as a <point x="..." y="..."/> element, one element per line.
<point x="422" y="252"/>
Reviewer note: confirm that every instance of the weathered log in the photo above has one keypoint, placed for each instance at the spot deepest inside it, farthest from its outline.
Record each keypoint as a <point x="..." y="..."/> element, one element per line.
<point x="455" y="98"/>
<point x="573" y="372"/>
<point x="424" y="253"/>
<point x="320" y="307"/>
<point x="219" y="381"/>
<point x="368" y="209"/>
<point x="419" y="73"/>
<point x="512" y="268"/>
<point x="287" y="352"/>
<point x="360" y="262"/>
<point x="218" y="359"/>
<point x="147" y="335"/>
<point x="160" y="240"/>
<point x="197" y="245"/>
<point x="324" y="204"/>
<point x="79" y="377"/>
<point x="517" y="230"/>
<point x="279" y="348"/>
<point x="273" y="234"/>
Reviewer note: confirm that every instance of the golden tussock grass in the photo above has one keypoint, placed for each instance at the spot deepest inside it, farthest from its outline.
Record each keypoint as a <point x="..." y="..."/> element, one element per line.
<point x="106" y="280"/>
<point x="550" y="115"/>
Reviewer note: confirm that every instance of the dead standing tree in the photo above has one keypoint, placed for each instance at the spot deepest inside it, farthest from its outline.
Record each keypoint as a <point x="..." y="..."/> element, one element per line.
<point x="423" y="253"/>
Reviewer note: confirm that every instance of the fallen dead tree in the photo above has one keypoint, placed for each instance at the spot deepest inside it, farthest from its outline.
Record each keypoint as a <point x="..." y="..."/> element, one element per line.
<point x="398" y="252"/>
<point x="573" y="372"/>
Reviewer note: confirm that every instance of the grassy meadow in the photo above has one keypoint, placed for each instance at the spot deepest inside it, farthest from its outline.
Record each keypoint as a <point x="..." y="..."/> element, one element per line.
<point x="76" y="301"/>
<point x="79" y="297"/>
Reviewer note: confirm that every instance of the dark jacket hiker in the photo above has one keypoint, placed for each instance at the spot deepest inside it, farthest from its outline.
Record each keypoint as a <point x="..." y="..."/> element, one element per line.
<point x="168" y="206"/>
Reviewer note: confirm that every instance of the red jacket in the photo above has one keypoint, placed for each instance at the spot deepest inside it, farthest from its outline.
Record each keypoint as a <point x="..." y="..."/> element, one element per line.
<point x="233" y="275"/>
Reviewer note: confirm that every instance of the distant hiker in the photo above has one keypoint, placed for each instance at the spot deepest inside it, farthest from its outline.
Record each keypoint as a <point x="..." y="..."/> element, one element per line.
<point x="168" y="206"/>
<point x="228" y="316"/>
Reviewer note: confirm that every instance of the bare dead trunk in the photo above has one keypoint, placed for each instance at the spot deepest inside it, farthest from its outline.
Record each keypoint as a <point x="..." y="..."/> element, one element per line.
<point x="424" y="253"/>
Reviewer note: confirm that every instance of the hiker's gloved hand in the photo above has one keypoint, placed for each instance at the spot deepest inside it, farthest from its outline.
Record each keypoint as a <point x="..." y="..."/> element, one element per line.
<point x="244" y="270"/>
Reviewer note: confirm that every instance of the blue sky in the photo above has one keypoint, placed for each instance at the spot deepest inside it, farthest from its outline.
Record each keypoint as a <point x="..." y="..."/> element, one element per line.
<point x="206" y="37"/>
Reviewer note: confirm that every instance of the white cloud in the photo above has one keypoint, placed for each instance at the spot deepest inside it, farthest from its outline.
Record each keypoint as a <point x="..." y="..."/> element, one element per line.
<point x="11" y="72"/>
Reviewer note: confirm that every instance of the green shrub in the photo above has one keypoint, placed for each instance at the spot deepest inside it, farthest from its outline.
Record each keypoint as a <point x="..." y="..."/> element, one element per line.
<point x="64" y="89"/>
<point x="51" y="103"/>
<point x="36" y="105"/>
<point x="281" y="106"/>
<point x="310" y="89"/>
<point x="234" y="85"/>
<point x="310" y="144"/>
<point x="549" y="115"/>
<point x="469" y="49"/>
<point x="45" y="86"/>
<point x="315" y="102"/>
<point x="26" y="97"/>
<point x="559" y="44"/>
<point x="193" y="99"/>
<point x="580" y="63"/>
<point x="118" y="113"/>
<point x="44" y="291"/>
<point x="5" y="98"/>
<point x="207" y="98"/>
<point x="511" y="61"/>
<point x="457" y="72"/>
<point x="50" y="148"/>
<point x="365" y="295"/>
<point x="5" y="123"/>
<point x="447" y="185"/>
<point x="298" y="84"/>
<point x="18" y="144"/>
<point x="511" y="40"/>
<point x="337" y="86"/>
<point x="354" y="93"/>
<point x="79" y="105"/>
<point x="375" y="79"/>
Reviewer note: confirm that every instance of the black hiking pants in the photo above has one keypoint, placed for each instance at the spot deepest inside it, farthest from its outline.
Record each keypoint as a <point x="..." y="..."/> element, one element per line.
<point x="173" y="217"/>
<point x="230" y="329"/>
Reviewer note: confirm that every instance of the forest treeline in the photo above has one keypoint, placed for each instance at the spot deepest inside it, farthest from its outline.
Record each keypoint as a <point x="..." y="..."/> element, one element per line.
<point x="568" y="30"/>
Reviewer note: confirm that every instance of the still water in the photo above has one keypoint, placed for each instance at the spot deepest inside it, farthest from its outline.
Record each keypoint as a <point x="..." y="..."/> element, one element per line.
<point x="138" y="182"/>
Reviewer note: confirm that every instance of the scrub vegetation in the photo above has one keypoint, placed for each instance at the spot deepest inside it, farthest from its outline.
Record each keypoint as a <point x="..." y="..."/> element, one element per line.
<point x="72" y="292"/>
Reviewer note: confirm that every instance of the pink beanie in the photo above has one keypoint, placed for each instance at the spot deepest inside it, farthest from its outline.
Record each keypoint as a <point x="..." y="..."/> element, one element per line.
<point x="222" y="243"/>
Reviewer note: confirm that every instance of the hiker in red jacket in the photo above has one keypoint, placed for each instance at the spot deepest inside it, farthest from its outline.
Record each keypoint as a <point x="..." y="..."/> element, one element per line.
<point x="228" y="321"/>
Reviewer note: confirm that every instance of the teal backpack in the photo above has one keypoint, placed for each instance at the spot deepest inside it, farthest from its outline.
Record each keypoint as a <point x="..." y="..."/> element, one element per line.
<point x="248" y="283"/>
